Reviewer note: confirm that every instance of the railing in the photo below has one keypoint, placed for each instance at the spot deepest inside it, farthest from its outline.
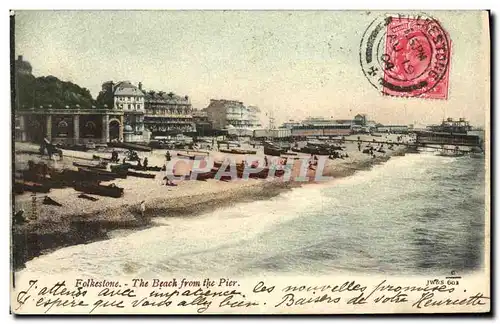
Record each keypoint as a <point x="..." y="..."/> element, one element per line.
<point x="167" y="122"/>
<point x="74" y="111"/>
<point x="168" y="116"/>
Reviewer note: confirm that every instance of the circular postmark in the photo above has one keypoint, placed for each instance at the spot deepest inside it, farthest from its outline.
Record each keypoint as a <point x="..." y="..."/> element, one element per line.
<point x="405" y="55"/>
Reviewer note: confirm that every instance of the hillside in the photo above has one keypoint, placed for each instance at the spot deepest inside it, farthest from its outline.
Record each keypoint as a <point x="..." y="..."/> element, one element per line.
<point x="49" y="90"/>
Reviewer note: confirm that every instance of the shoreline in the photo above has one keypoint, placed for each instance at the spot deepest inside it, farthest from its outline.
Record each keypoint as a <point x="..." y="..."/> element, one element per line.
<point x="83" y="222"/>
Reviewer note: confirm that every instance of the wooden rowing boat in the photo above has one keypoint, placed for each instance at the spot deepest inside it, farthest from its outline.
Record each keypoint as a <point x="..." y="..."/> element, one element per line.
<point x="243" y="151"/>
<point x="141" y="168"/>
<point x="21" y="185"/>
<point x="141" y="175"/>
<point x="274" y="151"/>
<point x="205" y="176"/>
<point x="101" y="165"/>
<point x="120" y="168"/>
<point x="96" y="189"/>
<point x="103" y="174"/>
<point x="84" y="196"/>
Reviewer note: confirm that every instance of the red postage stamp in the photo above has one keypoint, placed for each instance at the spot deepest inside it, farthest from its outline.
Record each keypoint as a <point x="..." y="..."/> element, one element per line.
<point x="416" y="53"/>
<point x="406" y="56"/>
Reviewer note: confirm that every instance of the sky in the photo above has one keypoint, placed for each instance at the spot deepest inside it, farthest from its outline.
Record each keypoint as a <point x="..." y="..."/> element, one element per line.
<point x="291" y="64"/>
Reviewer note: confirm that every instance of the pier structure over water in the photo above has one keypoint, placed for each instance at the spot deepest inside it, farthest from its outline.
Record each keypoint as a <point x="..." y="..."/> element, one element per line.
<point x="433" y="138"/>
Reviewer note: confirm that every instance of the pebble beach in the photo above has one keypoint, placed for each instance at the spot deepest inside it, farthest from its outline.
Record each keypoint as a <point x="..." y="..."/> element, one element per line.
<point x="79" y="220"/>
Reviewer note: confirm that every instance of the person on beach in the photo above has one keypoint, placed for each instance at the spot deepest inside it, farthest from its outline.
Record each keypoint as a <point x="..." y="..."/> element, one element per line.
<point x="168" y="156"/>
<point x="145" y="163"/>
<point x="114" y="156"/>
<point x="143" y="208"/>
<point x="265" y="161"/>
<point x="124" y="160"/>
<point x="167" y="181"/>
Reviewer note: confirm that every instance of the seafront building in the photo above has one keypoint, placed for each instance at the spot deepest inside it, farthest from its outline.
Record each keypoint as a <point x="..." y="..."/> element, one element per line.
<point x="203" y="125"/>
<point x="128" y="98"/>
<point x="69" y="125"/>
<point x="127" y="113"/>
<point x="327" y="127"/>
<point x="233" y="116"/>
<point x="168" y="114"/>
<point x="74" y="117"/>
<point x="121" y="120"/>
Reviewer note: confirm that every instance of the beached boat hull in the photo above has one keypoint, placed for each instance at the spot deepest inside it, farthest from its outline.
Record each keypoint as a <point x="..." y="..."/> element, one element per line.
<point x="141" y="168"/>
<point x="21" y="186"/>
<point x="102" y="174"/>
<point x="100" y="190"/>
<point x="273" y="151"/>
<point x="102" y="165"/>
<point x="140" y="175"/>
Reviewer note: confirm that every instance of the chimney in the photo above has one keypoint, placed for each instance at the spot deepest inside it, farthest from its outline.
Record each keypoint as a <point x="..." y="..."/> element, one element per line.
<point x="19" y="57"/>
<point x="140" y="85"/>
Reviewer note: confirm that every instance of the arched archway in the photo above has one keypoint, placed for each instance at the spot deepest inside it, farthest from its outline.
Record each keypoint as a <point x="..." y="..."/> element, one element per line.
<point x="114" y="129"/>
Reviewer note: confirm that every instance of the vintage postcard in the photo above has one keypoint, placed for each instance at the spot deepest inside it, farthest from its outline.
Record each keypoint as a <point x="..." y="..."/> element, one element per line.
<point x="250" y="162"/>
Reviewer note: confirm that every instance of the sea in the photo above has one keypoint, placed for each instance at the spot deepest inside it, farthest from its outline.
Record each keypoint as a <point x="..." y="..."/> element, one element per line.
<point x="417" y="214"/>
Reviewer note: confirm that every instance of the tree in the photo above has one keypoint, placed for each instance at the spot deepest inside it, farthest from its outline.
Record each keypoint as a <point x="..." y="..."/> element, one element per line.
<point x="105" y="97"/>
<point x="49" y="90"/>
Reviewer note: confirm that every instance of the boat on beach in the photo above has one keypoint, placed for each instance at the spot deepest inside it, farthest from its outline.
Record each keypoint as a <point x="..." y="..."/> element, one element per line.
<point x="102" y="165"/>
<point x="238" y="151"/>
<point x="21" y="185"/>
<point x="101" y="190"/>
<point x="102" y="174"/>
<point x="141" y="174"/>
<point x="142" y="168"/>
<point x="271" y="149"/>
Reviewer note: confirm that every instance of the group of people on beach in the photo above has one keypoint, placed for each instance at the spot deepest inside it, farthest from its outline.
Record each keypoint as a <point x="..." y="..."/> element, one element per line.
<point x="337" y="155"/>
<point x="371" y="150"/>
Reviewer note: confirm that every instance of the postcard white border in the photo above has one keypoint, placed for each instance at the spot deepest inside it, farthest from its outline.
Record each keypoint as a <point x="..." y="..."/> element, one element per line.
<point x="186" y="4"/>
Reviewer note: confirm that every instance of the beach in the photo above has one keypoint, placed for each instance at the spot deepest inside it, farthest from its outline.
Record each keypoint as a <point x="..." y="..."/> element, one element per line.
<point x="81" y="221"/>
